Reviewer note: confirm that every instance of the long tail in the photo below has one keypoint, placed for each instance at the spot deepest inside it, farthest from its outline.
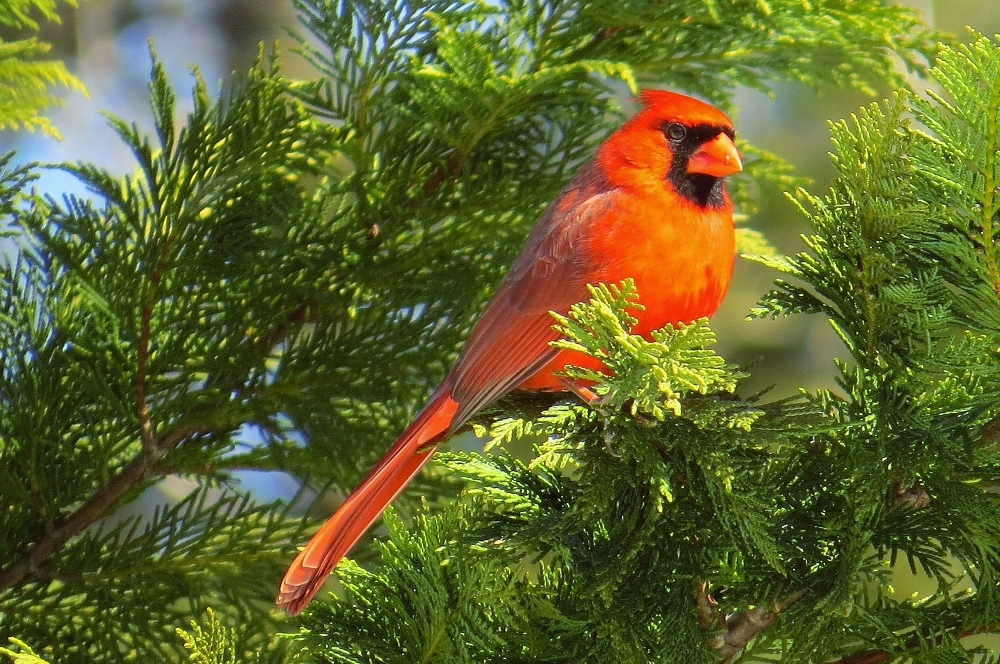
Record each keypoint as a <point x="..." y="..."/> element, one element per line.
<point x="334" y="539"/>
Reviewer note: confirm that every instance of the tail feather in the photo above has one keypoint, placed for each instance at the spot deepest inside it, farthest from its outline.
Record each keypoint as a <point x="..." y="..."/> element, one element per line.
<point x="308" y="572"/>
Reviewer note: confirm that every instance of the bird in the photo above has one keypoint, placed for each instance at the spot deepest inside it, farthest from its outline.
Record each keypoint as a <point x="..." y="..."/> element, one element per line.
<point x="651" y="205"/>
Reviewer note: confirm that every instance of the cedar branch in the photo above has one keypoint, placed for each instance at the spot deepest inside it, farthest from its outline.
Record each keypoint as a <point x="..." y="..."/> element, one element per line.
<point x="744" y="626"/>
<point x="141" y="468"/>
<point x="881" y="656"/>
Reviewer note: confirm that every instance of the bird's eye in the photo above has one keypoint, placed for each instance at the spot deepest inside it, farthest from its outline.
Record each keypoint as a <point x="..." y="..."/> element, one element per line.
<point x="675" y="132"/>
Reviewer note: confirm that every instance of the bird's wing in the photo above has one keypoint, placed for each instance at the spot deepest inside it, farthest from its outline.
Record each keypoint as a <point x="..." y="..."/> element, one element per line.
<point x="511" y="341"/>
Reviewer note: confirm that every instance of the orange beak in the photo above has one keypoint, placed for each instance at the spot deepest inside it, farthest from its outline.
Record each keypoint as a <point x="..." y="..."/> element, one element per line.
<point x="717" y="157"/>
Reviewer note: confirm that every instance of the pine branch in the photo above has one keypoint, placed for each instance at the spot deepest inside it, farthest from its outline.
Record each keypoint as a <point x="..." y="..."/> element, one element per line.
<point x="23" y="655"/>
<point x="138" y="471"/>
<point x="744" y="626"/>
<point x="121" y="329"/>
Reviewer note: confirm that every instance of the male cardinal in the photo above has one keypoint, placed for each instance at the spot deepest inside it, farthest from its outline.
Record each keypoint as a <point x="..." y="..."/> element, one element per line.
<point x="650" y="206"/>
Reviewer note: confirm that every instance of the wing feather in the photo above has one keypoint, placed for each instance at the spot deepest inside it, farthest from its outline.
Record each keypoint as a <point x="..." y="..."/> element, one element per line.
<point x="511" y="341"/>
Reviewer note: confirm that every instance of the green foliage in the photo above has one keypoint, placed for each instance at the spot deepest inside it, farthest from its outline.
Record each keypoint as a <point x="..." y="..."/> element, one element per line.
<point x="17" y="13"/>
<point x="283" y="278"/>
<point x="709" y="46"/>
<point x="653" y="374"/>
<point x="425" y="607"/>
<point x="900" y="262"/>
<point x="212" y="644"/>
<point x="565" y="559"/>
<point x="23" y="655"/>
<point x="25" y="79"/>
<point x="139" y="338"/>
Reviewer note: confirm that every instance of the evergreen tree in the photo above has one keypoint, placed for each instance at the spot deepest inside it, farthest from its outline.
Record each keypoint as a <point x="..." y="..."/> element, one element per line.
<point x="285" y="275"/>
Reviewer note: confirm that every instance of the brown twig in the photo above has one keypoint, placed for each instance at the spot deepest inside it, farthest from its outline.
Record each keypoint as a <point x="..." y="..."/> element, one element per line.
<point x="744" y="626"/>
<point x="147" y="433"/>
<point x="147" y="463"/>
<point x="136" y="471"/>
<point x="145" y="466"/>
<point x="881" y="656"/>
<point x="709" y="615"/>
<point x="909" y="498"/>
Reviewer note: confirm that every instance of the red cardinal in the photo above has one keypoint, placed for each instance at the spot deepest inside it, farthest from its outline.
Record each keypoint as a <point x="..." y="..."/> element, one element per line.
<point x="650" y="206"/>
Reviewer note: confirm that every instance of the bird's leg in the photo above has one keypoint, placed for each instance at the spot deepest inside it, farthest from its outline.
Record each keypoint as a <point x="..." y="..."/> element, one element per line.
<point x="609" y="437"/>
<point x="597" y="403"/>
<point x="588" y="396"/>
<point x="585" y="393"/>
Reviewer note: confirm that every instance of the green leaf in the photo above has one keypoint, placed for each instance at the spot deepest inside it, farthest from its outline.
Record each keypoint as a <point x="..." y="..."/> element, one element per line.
<point x="653" y="376"/>
<point x="24" y="76"/>
<point x="23" y="655"/>
<point x="212" y="644"/>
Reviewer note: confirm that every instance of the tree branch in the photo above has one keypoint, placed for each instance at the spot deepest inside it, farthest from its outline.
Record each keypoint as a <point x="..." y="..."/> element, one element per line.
<point x="146" y="431"/>
<point x="136" y="471"/>
<point x="744" y="626"/>
<point x="145" y="466"/>
<point x="880" y="656"/>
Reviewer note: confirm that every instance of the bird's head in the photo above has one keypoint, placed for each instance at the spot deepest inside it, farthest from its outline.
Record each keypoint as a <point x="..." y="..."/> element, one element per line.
<point x="677" y="139"/>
